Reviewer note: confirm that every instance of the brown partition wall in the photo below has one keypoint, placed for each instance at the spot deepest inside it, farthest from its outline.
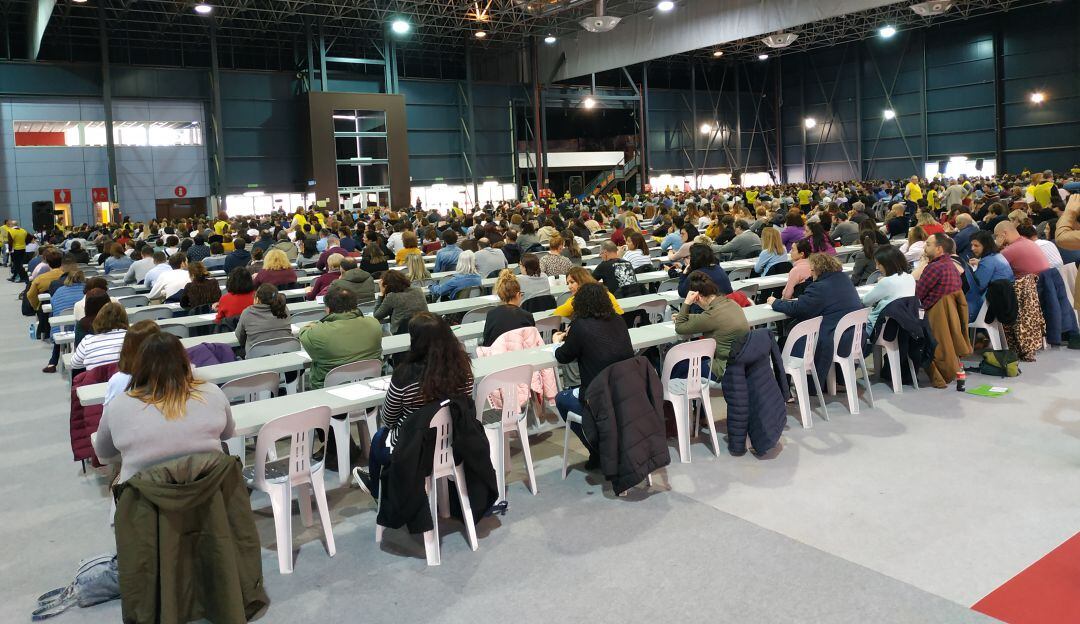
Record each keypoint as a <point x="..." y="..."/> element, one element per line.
<point x="321" y="107"/>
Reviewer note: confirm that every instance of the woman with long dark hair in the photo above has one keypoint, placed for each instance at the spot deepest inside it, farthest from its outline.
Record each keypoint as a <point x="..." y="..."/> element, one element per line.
<point x="202" y="290"/>
<point x="819" y="240"/>
<point x="239" y="294"/>
<point x="436" y="367"/>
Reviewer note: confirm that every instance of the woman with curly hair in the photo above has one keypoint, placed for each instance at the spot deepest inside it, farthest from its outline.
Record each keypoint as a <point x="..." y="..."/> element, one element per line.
<point x="596" y="339"/>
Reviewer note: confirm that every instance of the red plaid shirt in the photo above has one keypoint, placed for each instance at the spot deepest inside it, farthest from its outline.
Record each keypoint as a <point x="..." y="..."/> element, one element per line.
<point x="938" y="279"/>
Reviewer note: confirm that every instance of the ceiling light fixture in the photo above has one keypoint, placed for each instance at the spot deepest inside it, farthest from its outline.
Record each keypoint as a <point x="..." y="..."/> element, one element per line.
<point x="588" y="102"/>
<point x="1038" y="97"/>
<point x="932" y="7"/>
<point x="889" y="113"/>
<point x="400" y="26"/>
<point x="707" y="128"/>
<point x="480" y="34"/>
<point x="809" y="122"/>
<point x="763" y="57"/>
<point x="718" y="53"/>
<point x="780" y="40"/>
<point x="887" y="32"/>
<point x="665" y="5"/>
<point x="550" y="39"/>
<point x="203" y="9"/>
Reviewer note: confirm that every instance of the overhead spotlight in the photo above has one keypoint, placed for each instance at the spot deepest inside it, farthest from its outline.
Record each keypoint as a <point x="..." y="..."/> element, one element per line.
<point x="887" y="31"/>
<point x="598" y="22"/>
<point x="203" y="9"/>
<point x="780" y="40"/>
<point x="762" y="57"/>
<point x="809" y="122"/>
<point x="1038" y="97"/>
<point x="79" y="1"/>
<point x="588" y="102"/>
<point x="665" y="5"/>
<point x="718" y="53"/>
<point x="480" y="34"/>
<point x="932" y="7"/>
<point x="889" y="113"/>
<point x="707" y="128"/>
<point x="550" y="39"/>
<point x="400" y="26"/>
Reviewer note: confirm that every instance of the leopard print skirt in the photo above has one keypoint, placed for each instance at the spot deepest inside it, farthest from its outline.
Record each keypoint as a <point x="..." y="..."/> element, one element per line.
<point x="1025" y="336"/>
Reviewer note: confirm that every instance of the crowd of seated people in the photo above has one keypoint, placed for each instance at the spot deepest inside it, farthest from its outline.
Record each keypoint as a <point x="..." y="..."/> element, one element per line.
<point x="945" y="246"/>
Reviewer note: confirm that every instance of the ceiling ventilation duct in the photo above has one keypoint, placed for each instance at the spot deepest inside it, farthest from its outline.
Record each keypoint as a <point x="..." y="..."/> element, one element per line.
<point x="932" y="8"/>
<point x="599" y="23"/>
<point x="780" y="40"/>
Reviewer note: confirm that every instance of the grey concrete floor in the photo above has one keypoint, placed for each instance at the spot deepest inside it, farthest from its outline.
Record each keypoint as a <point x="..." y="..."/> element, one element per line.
<point x="908" y="512"/>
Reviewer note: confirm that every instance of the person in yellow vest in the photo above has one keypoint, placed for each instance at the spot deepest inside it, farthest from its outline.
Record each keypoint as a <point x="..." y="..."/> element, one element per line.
<point x="222" y="223"/>
<point x="616" y="199"/>
<point x="932" y="197"/>
<point x="913" y="192"/>
<point x="321" y="218"/>
<point x="804" y="197"/>
<point x="5" y="244"/>
<point x="751" y="197"/>
<point x="17" y="238"/>
<point x="1043" y="190"/>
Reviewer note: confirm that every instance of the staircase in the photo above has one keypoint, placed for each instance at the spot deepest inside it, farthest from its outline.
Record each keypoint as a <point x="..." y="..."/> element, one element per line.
<point x="607" y="178"/>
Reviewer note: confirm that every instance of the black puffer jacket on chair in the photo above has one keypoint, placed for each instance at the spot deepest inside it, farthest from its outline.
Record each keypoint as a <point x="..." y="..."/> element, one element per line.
<point x="756" y="390"/>
<point x="624" y="422"/>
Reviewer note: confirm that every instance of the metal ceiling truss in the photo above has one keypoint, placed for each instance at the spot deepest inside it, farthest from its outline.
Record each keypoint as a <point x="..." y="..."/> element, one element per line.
<point x="861" y="25"/>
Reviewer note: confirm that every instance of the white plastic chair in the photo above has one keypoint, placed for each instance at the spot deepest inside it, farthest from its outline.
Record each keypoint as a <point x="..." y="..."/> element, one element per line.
<point x="849" y="365"/>
<point x="121" y="291"/>
<point x="892" y="351"/>
<point x="248" y="389"/>
<point x="342" y="427"/>
<point x="273" y="346"/>
<point x="799" y="367"/>
<point x="152" y="313"/>
<point x="571" y="417"/>
<point x="506" y="383"/>
<point x="672" y="283"/>
<point x="749" y="290"/>
<point x="993" y="330"/>
<point x="305" y="316"/>
<point x="443" y="467"/>
<point x="658" y="311"/>
<point x="278" y="478"/>
<point x="133" y="301"/>
<point x="548" y="326"/>
<point x="180" y="331"/>
<point x="740" y="273"/>
<point x="477" y="315"/>
<point x="696" y="392"/>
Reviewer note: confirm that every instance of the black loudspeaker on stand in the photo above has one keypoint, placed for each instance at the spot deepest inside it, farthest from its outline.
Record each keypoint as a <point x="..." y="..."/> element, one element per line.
<point x="44" y="219"/>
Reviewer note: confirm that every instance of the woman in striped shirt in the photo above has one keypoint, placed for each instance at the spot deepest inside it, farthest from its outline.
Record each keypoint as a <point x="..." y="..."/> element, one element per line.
<point x="435" y="368"/>
<point x="103" y="346"/>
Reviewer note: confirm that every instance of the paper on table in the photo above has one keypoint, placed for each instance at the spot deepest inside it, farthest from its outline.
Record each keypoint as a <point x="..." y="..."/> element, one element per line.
<point x="551" y="347"/>
<point x="999" y="389"/>
<point x="379" y="384"/>
<point x="354" y="392"/>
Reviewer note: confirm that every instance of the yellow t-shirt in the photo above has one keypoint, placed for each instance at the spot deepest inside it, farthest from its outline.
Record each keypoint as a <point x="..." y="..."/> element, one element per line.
<point x="3" y="233"/>
<point x="804" y="197"/>
<point x="931" y="199"/>
<point x="566" y="310"/>
<point x="18" y="238"/>
<point x="403" y="253"/>
<point x="914" y="191"/>
<point x="219" y="226"/>
<point x="1041" y="192"/>
<point x="751" y="197"/>
<point x="299" y="220"/>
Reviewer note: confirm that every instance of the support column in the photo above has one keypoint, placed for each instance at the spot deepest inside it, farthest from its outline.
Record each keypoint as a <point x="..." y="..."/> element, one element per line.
<point x="694" y="122"/>
<point x="999" y="98"/>
<point x="513" y="144"/>
<point x="310" y="57"/>
<point x="738" y="125"/>
<point x="471" y="114"/>
<point x="106" y="97"/>
<point x="778" y="98"/>
<point x="216" y="118"/>
<point x="322" y="60"/>
<point x="537" y="113"/>
<point x="646" y="161"/>
<point x="858" y="109"/>
<point x="802" y="118"/>
<point x="925" y="112"/>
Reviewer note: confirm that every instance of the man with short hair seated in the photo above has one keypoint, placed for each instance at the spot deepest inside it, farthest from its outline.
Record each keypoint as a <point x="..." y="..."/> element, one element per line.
<point x="940" y="291"/>
<point x="344" y="335"/>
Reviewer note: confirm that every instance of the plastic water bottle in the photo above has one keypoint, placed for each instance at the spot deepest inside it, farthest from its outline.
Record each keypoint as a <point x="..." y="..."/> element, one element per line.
<point x="961" y="380"/>
<point x="33" y="331"/>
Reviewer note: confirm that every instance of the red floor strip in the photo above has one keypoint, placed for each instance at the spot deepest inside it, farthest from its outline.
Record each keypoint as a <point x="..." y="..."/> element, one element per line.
<point x="1047" y="592"/>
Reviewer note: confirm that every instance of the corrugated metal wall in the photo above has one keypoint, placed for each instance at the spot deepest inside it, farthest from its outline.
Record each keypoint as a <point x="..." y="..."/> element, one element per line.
<point x="941" y="84"/>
